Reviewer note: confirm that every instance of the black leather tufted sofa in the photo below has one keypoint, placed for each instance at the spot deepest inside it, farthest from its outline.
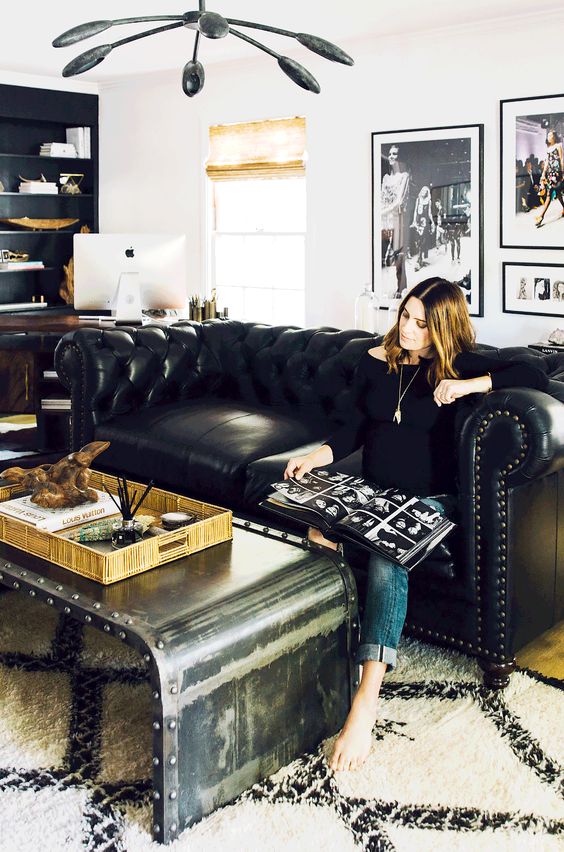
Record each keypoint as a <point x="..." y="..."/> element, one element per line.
<point x="214" y="410"/>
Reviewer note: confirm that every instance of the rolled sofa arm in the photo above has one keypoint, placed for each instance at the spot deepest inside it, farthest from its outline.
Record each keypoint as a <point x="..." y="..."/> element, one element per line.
<point x="509" y="441"/>
<point x="109" y="372"/>
<point x="517" y="431"/>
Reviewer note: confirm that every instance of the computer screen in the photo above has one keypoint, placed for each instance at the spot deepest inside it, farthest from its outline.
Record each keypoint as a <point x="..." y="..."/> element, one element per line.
<point x="124" y="273"/>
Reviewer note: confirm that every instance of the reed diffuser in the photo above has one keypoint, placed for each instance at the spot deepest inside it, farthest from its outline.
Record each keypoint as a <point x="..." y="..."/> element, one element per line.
<point x="127" y="530"/>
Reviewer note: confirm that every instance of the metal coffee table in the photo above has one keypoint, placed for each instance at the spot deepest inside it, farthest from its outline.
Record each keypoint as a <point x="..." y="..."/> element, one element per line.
<point x="248" y="645"/>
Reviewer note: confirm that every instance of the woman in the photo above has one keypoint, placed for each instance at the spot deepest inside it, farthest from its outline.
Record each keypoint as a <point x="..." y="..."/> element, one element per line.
<point x="405" y="393"/>
<point x="424" y="225"/>
<point x="552" y="174"/>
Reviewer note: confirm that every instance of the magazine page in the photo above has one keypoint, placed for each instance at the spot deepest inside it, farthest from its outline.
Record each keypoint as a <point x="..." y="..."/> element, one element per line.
<point x="397" y="525"/>
<point x="330" y="495"/>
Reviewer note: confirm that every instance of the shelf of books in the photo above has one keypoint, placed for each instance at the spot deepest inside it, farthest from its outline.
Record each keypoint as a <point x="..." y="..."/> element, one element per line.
<point x="48" y="182"/>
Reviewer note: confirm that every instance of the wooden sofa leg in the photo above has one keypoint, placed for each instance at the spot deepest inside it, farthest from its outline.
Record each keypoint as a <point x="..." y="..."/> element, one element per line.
<point x="496" y="675"/>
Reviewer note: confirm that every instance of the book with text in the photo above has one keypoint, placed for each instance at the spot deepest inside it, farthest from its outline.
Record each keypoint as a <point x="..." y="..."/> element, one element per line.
<point x="51" y="520"/>
<point x="401" y="527"/>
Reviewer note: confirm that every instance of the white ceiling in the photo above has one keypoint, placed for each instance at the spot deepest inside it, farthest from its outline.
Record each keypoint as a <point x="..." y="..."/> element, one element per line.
<point x="27" y="35"/>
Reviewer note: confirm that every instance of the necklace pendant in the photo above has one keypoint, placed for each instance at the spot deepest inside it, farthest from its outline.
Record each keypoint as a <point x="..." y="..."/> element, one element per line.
<point x="397" y="416"/>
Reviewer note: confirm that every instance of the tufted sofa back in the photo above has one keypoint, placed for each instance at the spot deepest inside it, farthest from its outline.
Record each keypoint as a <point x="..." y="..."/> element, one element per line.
<point x="260" y="365"/>
<point x="119" y="371"/>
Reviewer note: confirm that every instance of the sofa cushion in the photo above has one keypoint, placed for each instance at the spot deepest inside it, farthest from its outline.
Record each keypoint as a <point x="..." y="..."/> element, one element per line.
<point x="201" y="446"/>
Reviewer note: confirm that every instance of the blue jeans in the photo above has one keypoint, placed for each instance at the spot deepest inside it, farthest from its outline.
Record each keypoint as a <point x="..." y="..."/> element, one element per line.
<point x="386" y="604"/>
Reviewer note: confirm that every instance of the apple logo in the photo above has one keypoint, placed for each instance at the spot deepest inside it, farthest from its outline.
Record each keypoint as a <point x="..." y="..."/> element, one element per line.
<point x="129" y="252"/>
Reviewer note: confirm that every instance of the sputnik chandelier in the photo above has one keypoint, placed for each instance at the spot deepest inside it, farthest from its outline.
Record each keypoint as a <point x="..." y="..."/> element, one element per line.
<point x="208" y="24"/>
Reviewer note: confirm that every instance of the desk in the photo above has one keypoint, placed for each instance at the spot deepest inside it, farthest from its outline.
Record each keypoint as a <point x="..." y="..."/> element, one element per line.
<point x="27" y="344"/>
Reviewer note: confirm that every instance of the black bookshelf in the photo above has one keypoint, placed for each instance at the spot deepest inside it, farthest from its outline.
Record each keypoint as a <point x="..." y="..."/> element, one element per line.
<point x="29" y="117"/>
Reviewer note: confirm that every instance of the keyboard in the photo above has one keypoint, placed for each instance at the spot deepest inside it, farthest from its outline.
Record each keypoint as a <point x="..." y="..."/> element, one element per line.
<point x="22" y="306"/>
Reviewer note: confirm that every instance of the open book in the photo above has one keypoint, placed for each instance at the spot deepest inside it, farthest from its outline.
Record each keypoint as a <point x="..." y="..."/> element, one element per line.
<point x="387" y="521"/>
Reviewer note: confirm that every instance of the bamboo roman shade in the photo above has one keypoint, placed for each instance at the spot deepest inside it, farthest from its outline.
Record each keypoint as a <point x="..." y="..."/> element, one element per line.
<point x="257" y="149"/>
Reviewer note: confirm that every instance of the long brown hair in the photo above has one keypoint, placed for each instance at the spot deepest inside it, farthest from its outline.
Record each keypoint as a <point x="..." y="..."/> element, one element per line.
<point x="448" y="322"/>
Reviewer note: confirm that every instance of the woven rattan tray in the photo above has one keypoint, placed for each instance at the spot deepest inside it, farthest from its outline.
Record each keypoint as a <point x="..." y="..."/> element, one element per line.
<point x="212" y="527"/>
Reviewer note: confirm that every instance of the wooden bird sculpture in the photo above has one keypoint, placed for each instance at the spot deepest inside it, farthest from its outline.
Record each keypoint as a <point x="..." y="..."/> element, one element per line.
<point x="63" y="484"/>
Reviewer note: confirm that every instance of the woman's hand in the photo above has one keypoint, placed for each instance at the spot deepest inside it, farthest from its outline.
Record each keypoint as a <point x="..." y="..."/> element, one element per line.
<point x="296" y="468"/>
<point x="450" y="390"/>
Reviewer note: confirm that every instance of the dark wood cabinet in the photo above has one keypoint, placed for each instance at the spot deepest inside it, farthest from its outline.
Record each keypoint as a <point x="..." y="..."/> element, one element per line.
<point x="18" y="377"/>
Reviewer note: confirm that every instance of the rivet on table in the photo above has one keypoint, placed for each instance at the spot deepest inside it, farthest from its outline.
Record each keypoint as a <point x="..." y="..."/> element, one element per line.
<point x="172" y="795"/>
<point x="173" y="689"/>
<point x="172" y="760"/>
<point x="156" y="695"/>
<point x="96" y="606"/>
<point x="50" y="601"/>
<point x="107" y="628"/>
<point x="160" y="644"/>
<point x="31" y="593"/>
<point x="156" y="761"/>
<point x="88" y="618"/>
<point x="75" y="597"/>
<point x="15" y="584"/>
<point x="57" y="588"/>
<point x="67" y="610"/>
<point x="171" y="725"/>
<point x="156" y="726"/>
<point x="121" y="634"/>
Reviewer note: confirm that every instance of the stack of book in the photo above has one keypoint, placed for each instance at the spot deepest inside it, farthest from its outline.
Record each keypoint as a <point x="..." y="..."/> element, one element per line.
<point x="21" y="265"/>
<point x="547" y="347"/>
<point x="38" y="187"/>
<point x="51" y="520"/>
<point x="57" y="149"/>
<point x="80" y="138"/>
<point x="53" y="404"/>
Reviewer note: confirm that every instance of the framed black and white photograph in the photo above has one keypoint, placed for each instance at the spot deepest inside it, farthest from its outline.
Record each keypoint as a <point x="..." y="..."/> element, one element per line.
<point x="427" y="202"/>
<point x="532" y="172"/>
<point x="533" y="288"/>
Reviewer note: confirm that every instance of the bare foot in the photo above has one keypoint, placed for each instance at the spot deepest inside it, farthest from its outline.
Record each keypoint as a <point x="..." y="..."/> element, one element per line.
<point x="352" y="746"/>
<point x="317" y="537"/>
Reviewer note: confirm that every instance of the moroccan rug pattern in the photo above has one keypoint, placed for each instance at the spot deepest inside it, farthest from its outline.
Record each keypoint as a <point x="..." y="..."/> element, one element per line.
<point x="453" y="766"/>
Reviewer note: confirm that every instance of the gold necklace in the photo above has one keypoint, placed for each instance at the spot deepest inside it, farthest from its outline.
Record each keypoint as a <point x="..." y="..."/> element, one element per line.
<point x="397" y="414"/>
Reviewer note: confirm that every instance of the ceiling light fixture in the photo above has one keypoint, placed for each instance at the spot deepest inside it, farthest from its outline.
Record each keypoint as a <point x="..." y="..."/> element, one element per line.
<point x="209" y="24"/>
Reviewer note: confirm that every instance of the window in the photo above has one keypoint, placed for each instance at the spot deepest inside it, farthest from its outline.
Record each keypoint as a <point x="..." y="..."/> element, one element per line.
<point x="258" y="214"/>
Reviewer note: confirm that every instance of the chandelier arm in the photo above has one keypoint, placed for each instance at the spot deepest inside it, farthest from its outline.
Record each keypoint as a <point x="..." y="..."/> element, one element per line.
<point x="254" y="42"/>
<point x="146" y="19"/>
<point x="196" y="46"/>
<point x="202" y="5"/>
<point x="147" y="33"/>
<point x="276" y="30"/>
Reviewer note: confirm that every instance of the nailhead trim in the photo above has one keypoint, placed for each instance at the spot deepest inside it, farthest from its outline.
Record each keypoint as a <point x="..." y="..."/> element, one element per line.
<point x="501" y="513"/>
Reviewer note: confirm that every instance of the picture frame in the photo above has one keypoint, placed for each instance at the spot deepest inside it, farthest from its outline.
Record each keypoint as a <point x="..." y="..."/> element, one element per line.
<point x="525" y="183"/>
<point x="4" y="255"/>
<point x="427" y="209"/>
<point x="533" y="288"/>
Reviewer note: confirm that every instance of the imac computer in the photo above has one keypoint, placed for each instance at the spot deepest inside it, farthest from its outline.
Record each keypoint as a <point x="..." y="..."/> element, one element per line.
<point x="125" y="274"/>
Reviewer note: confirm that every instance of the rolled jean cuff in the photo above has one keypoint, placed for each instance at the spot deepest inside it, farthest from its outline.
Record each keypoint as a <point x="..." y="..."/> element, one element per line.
<point x="378" y="653"/>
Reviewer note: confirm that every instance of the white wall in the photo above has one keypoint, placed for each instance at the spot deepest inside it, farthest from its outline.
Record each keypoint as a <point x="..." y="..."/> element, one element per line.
<point x="154" y="144"/>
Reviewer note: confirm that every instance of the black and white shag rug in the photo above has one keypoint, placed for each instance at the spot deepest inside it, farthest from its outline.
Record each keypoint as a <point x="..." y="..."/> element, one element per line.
<point x="453" y="768"/>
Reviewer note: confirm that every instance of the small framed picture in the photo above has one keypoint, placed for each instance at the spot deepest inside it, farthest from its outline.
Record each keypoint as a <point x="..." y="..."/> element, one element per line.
<point x="532" y="173"/>
<point x="533" y="288"/>
<point x="427" y="200"/>
<point x="5" y="255"/>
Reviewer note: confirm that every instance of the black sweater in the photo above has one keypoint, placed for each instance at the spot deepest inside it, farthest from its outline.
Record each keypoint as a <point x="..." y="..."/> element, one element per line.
<point x="417" y="455"/>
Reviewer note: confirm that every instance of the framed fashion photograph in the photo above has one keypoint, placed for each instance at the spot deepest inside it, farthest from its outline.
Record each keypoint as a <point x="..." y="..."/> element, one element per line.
<point x="533" y="288"/>
<point x="427" y="209"/>
<point x="532" y="172"/>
